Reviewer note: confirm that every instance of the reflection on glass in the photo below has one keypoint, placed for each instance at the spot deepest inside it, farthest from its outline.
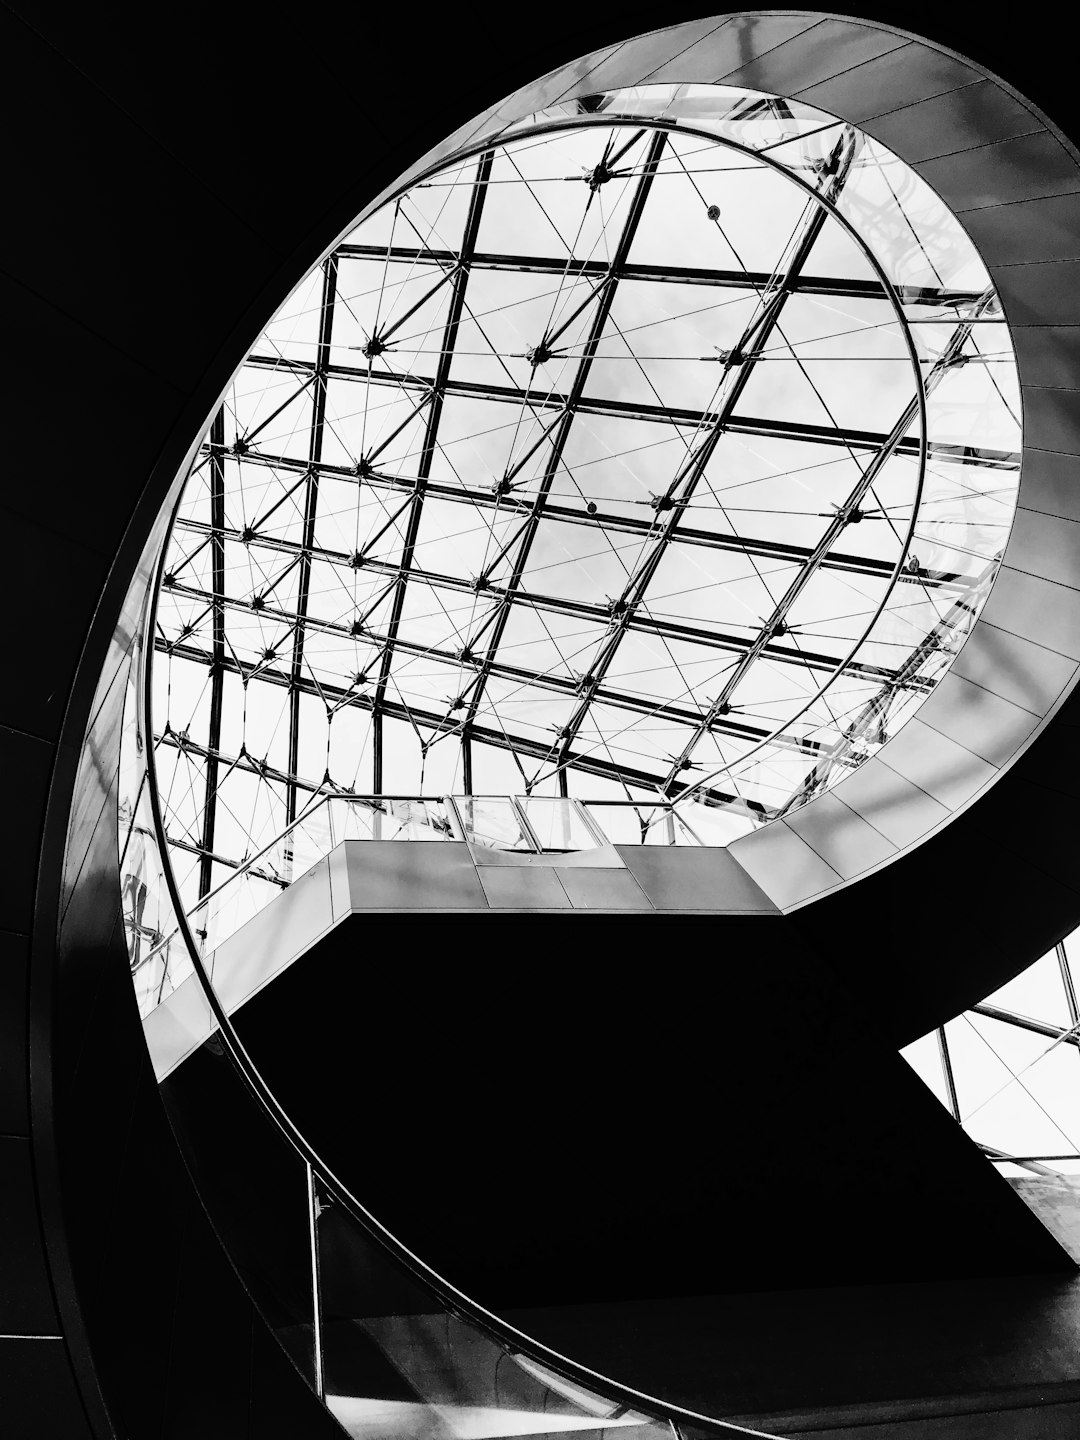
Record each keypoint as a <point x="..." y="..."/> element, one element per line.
<point x="390" y="1349"/>
<point x="558" y="824"/>
<point x="625" y="823"/>
<point x="390" y="819"/>
<point x="493" y="821"/>
<point x="238" y="900"/>
<point x="397" y="1363"/>
<point x="158" y="952"/>
<point x="555" y="825"/>
<point x="1007" y="1070"/>
<point x="714" y="825"/>
<point x="462" y="1383"/>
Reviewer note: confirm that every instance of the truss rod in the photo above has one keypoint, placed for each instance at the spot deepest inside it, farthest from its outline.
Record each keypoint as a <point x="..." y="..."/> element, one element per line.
<point x="694" y="420"/>
<point x="553" y="604"/>
<point x="578" y="609"/>
<point x="210" y="858"/>
<point x="561" y="435"/>
<point x="777" y="620"/>
<point x="625" y="525"/>
<point x="671" y="274"/>
<point x="217" y="675"/>
<point x="311" y="501"/>
<point x="1037" y="1027"/>
<point x="453" y="320"/>
<point x="739" y="366"/>
<point x="559" y="684"/>
<point x="427" y="720"/>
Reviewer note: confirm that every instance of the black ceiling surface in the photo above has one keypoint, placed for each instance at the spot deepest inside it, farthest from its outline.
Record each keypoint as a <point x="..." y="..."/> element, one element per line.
<point x="168" y="183"/>
<point x="169" y="174"/>
<point x="558" y="1109"/>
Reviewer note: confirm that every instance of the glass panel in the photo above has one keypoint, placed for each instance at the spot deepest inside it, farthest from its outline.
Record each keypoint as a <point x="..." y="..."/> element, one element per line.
<point x="557" y="823"/>
<point x="158" y="954"/>
<point x="715" y="826"/>
<point x="233" y="903"/>
<point x="626" y="824"/>
<point x="493" y="821"/>
<point x="371" y="1331"/>
<point x="663" y="827"/>
<point x="619" y="823"/>
<point x="380" y="819"/>
<point x="398" y="1364"/>
<point x="224" y="911"/>
<point x="1039" y="992"/>
<point x="256" y="1189"/>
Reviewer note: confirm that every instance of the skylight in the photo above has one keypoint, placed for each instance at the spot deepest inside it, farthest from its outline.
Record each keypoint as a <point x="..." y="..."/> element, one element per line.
<point x="664" y="444"/>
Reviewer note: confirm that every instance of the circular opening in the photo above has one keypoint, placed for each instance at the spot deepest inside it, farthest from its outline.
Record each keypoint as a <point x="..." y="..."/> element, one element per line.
<point x="657" y="452"/>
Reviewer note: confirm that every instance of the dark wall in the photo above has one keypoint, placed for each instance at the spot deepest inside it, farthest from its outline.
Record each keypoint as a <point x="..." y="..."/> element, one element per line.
<point x="169" y="173"/>
<point x="562" y="1109"/>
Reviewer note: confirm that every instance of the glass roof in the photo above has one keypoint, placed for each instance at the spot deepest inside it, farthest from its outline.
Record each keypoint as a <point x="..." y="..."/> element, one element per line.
<point x="1008" y="1070"/>
<point x="664" y="443"/>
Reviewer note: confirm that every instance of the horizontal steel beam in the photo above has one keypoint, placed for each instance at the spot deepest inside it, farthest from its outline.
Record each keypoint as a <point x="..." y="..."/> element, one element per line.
<point x="843" y="561"/>
<point x="664" y="274"/>
<point x="547" y="400"/>
<point x="425" y="720"/>
<point x="1037" y="1027"/>
<point x="212" y="756"/>
<point x="715" y="640"/>
<point x="638" y="704"/>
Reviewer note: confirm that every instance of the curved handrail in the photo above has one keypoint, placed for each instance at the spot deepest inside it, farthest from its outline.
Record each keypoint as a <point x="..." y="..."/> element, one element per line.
<point x="454" y="1300"/>
<point x="247" y="867"/>
<point x="662" y="805"/>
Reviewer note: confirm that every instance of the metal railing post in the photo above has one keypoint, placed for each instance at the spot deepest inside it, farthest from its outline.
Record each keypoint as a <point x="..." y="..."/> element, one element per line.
<point x="316" y="1283"/>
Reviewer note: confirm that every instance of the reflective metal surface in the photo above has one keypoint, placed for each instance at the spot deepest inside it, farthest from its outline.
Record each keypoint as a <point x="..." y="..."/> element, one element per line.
<point x="893" y="81"/>
<point x="976" y="114"/>
<point x="841" y="837"/>
<point x="895" y="806"/>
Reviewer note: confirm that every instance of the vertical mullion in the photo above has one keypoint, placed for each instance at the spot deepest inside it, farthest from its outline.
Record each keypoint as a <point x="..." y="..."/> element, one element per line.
<point x="217" y="665"/>
<point x="1067" y="981"/>
<point x="466" y="762"/>
<point x="947" y="1070"/>
<point x="688" y="475"/>
<point x="561" y="433"/>
<point x="431" y="431"/>
<point x="1070" y="988"/>
<point x="311" y="500"/>
<point x="313" y="1208"/>
<point x="376" y="747"/>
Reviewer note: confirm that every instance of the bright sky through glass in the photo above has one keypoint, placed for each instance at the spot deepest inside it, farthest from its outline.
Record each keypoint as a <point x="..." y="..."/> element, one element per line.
<point x="666" y="443"/>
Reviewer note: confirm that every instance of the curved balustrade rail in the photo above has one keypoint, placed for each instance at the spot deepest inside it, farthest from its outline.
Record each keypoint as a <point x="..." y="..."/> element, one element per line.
<point x="395" y="1351"/>
<point x="534" y="824"/>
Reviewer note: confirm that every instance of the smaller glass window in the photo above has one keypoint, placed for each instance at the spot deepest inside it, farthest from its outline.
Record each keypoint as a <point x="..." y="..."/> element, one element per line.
<point x="630" y="824"/>
<point x="494" y="821"/>
<point x="384" y="819"/>
<point x="558" y="824"/>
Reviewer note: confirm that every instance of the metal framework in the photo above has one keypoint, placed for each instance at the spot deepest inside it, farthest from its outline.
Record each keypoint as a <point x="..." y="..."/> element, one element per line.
<point x="1008" y="1070"/>
<point x="433" y="330"/>
<point x="605" y="344"/>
